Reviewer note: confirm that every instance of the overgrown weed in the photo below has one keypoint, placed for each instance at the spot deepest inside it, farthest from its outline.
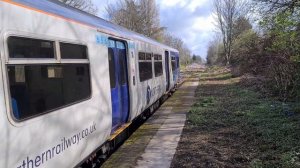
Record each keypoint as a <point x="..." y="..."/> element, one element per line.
<point x="275" y="134"/>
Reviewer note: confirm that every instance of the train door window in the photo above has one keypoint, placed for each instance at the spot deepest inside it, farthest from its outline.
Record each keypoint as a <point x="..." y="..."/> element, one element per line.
<point x="173" y="64"/>
<point x="73" y="51"/>
<point x="21" y="47"/>
<point x="112" y="68"/>
<point x="158" y="68"/>
<point x="37" y="89"/>
<point x="122" y="61"/>
<point x="145" y="66"/>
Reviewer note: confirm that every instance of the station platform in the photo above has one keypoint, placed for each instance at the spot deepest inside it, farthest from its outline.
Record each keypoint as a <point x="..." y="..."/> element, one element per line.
<point x="154" y="143"/>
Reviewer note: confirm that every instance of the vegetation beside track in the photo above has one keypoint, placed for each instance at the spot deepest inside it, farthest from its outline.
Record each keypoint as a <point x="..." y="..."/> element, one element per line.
<point x="231" y="125"/>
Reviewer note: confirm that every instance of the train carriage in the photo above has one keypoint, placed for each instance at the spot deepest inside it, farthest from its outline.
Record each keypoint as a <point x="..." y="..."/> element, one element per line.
<point x="69" y="80"/>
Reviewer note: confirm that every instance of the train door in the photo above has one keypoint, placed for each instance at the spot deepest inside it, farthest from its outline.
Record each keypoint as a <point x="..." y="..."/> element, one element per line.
<point x="119" y="83"/>
<point x="167" y="70"/>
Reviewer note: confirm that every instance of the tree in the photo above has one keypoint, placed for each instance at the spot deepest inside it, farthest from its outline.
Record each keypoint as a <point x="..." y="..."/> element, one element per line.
<point x="197" y="59"/>
<point x="184" y="52"/>
<point x="215" y="52"/>
<point x="125" y="13"/>
<point x="274" y="54"/>
<point x="151" y="22"/>
<point x="241" y="25"/>
<point x="248" y="56"/>
<point x="143" y="17"/>
<point x="194" y="58"/>
<point x="227" y="12"/>
<point x="275" y="6"/>
<point x="137" y="15"/>
<point x="284" y="49"/>
<point x="84" y="5"/>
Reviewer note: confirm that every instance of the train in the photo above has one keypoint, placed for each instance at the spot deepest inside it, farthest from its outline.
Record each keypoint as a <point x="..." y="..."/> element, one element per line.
<point x="70" y="80"/>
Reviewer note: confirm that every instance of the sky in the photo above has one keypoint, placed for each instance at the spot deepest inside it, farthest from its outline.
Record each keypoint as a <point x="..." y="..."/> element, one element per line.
<point x="190" y="20"/>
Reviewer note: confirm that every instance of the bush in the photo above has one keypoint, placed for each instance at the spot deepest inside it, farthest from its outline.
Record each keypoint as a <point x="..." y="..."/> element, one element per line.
<point x="275" y="55"/>
<point x="246" y="55"/>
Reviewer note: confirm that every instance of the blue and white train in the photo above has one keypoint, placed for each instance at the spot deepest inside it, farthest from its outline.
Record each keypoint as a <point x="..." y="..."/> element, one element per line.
<point x="70" y="80"/>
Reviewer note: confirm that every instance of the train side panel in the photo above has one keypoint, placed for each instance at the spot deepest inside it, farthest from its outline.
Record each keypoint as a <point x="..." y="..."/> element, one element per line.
<point x="66" y="136"/>
<point x="4" y="124"/>
<point x="132" y="78"/>
<point x="150" y="90"/>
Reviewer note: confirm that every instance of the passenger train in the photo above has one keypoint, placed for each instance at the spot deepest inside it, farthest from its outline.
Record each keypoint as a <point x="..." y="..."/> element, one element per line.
<point x="70" y="80"/>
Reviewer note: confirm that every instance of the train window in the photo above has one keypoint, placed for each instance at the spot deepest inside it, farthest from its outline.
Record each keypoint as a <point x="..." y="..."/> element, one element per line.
<point x="158" y="69"/>
<point x="142" y="56"/>
<point x="145" y="66"/>
<point x="145" y="70"/>
<point x="122" y="61"/>
<point x="158" y="65"/>
<point x="157" y="57"/>
<point x="173" y="64"/>
<point x="111" y="68"/>
<point x="177" y="62"/>
<point x="148" y="56"/>
<point x="73" y="51"/>
<point x="37" y="89"/>
<point x="20" y="47"/>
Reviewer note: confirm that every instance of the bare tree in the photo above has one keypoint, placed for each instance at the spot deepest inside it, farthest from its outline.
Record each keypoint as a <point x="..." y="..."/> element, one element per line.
<point x="137" y="15"/>
<point x="227" y="12"/>
<point x="215" y="49"/>
<point x="280" y="5"/>
<point x="125" y="13"/>
<point x="143" y="17"/>
<point x="151" y="21"/>
<point x="84" y="5"/>
<point x="175" y="42"/>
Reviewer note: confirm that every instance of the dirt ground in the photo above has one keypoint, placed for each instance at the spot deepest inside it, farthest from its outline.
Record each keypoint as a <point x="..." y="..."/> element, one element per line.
<point x="230" y="126"/>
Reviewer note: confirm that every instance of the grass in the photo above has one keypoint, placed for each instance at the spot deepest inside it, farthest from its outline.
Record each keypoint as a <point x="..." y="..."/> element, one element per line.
<point x="222" y="76"/>
<point x="267" y="130"/>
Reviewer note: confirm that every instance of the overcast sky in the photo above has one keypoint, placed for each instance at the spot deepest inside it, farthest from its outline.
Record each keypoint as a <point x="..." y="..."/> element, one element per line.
<point x="190" y="20"/>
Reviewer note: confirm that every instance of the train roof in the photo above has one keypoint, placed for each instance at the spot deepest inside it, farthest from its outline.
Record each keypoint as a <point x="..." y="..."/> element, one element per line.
<point x="58" y="8"/>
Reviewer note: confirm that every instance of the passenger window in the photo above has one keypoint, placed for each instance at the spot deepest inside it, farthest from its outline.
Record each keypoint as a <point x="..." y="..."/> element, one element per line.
<point x="37" y="89"/>
<point x="158" y="65"/>
<point x="145" y="66"/>
<point x="148" y="56"/>
<point x="142" y="56"/>
<point x="73" y="51"/>
<point x="145" y="71"/>
<point x="20" y="47"/>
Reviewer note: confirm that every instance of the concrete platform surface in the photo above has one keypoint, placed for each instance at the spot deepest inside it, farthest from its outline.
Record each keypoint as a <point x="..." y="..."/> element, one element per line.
<point x="154" y="144"/>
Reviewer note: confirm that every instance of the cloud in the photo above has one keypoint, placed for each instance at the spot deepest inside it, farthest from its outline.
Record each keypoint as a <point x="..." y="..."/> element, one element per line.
<point x="194" y="4"/>
<point x="204" y="24"/>
<point x="168" y="3"/>
<point x="191" y="20"/>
